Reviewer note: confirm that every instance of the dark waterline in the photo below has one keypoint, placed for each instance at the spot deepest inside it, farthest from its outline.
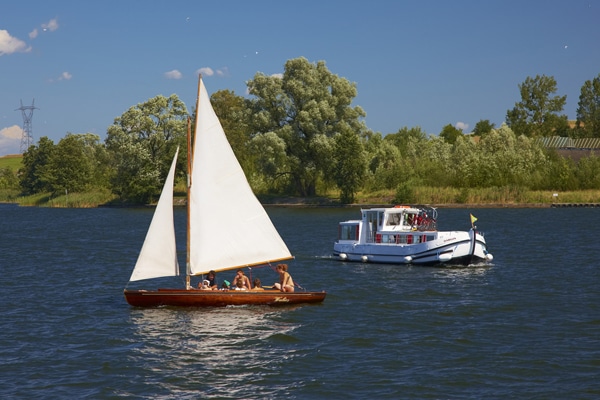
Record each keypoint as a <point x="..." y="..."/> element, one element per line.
<point x="526" y="327"/>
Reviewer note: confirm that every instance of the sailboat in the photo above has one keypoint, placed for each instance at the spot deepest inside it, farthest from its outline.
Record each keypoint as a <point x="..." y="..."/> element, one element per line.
<point x="227" y="228"/>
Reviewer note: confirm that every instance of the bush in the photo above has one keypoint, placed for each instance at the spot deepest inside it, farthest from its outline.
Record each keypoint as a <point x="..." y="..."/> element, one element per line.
<point x="405" y="193"/>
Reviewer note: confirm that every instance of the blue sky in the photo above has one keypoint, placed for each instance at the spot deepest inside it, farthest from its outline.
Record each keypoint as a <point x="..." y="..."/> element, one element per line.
<point x="415" y="63"/>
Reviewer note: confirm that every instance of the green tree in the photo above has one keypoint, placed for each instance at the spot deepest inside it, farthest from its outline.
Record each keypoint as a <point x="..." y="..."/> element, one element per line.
<point x="385" y="166"/>
<point x="500" y="155"/>
<point x="450" y="134"/>
<point x="431" y="161"/>
<point x="135" y="178"/>
<point x="559" y="173"/>
<point x="409" y="142"/>
<point x="537" y="114"/>
<point x="71" y="166"/>
<point x="8" y="179"/>
<point x="499" y="159"/>
<point x="349" y="164"/>
<point x="483" y="127"/>
<point x="587" y="173"/>
<point x="588" y="112"/>
<point x="381" y="156"/>
<point x="270" y="157"/>
<point x="141" y="144"/>
<point x="34" y="175"/>
<point x="404" y="136"/>
<point x="305" y="107"/>
<point x="405" y="193"/>
<point x="465" y="165"/>
<point x="371" y="140"/>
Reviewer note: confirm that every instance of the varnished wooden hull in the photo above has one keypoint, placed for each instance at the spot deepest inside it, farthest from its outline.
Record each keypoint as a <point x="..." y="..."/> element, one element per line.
<point x="218" y="298"/>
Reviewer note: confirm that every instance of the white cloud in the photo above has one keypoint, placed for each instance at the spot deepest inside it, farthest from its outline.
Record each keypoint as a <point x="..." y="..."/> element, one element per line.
<point x="207" y="71"/>
<point x="51" y="26"/>
<point x="223" y="72"/>
<point x="12" y="132"/>
<point x="65" y="76"/>
<point x="462" y="126"/>
<point x="10" y="140"/>
<point x="10" y="44"/>
<point x="175" y="74"/>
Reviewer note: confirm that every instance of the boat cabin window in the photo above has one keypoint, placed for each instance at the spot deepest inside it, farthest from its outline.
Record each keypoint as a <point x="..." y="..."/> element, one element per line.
<point x="348" y="232"/>
<point x="410" y="219"/>
<point x="374" y="223"/>
<point x="389" y="238"/>
<point x="374" y="217"/>
<point x="394" y="219"/>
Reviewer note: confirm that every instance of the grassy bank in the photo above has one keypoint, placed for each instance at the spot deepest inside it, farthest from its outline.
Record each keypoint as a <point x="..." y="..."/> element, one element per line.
<point x="70" y="200"/>
<point x="14" y="162"/>
<point x="449" y="197"/>
<point x="507" y="197"/>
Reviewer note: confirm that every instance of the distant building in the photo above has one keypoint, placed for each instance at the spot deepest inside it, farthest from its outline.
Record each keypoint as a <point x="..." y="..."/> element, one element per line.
<point x="572" y="148"/>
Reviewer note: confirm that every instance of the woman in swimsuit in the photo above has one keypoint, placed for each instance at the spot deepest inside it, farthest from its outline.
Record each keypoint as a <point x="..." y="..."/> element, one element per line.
<point x="286" y="283"/>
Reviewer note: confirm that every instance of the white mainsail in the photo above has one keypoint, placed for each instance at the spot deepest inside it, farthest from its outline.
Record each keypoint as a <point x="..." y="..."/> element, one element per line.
<point x="229" y="228"/>
<point x="158" y="256"/>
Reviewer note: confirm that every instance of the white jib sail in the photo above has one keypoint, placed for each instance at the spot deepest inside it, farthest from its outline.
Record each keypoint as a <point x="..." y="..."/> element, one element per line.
<point x="158" y="256"/>
<point x="229" y="227"/>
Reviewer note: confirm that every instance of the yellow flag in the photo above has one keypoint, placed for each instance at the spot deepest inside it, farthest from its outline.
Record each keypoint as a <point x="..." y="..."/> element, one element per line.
<point x="473" y="219"/>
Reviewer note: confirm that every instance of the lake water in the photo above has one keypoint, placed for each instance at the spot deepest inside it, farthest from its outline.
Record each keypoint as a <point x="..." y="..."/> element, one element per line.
<point x="527" y="326"/>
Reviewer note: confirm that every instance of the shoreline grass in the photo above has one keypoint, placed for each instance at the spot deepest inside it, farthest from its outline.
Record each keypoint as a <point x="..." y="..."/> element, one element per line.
<point x="439" y="197"/>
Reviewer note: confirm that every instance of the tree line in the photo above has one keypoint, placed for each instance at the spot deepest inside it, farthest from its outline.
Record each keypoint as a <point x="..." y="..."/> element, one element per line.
<point x="298" y="134"/>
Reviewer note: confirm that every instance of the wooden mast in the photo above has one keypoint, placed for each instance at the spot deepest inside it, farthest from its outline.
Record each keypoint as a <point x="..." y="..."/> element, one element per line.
<point x="189" y="185"/>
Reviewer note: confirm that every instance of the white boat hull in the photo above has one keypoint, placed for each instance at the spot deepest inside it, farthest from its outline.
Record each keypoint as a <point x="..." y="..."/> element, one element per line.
<point x="395" y="236"/>
<point x="457" y="251"/>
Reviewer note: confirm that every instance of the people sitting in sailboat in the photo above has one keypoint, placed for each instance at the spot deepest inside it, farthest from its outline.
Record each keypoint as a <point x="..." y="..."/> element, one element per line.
<point x="241" y="281"/>
<point x="286" y="283"/>
<point x="225" y="285"/>
<point x="210" y="282"/>
<point x="240" y="285"/>
<point x="257" y="285"/>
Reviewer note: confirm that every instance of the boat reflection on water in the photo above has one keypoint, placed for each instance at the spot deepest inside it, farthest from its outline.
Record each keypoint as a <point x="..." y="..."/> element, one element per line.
<point x="213" y="351"/>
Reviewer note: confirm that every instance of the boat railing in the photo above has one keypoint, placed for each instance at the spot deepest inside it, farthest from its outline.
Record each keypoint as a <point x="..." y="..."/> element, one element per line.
<point x="428" y="224"/>
<point x="421" y="225"/>
<point x="403" y="238"/>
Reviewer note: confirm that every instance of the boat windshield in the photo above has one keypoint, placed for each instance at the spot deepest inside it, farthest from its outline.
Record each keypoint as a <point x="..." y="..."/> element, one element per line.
<point x="394" y="219"/>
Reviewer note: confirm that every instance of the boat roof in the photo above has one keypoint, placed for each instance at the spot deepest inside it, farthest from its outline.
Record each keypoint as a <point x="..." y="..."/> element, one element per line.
<point x="393" y="209"/>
